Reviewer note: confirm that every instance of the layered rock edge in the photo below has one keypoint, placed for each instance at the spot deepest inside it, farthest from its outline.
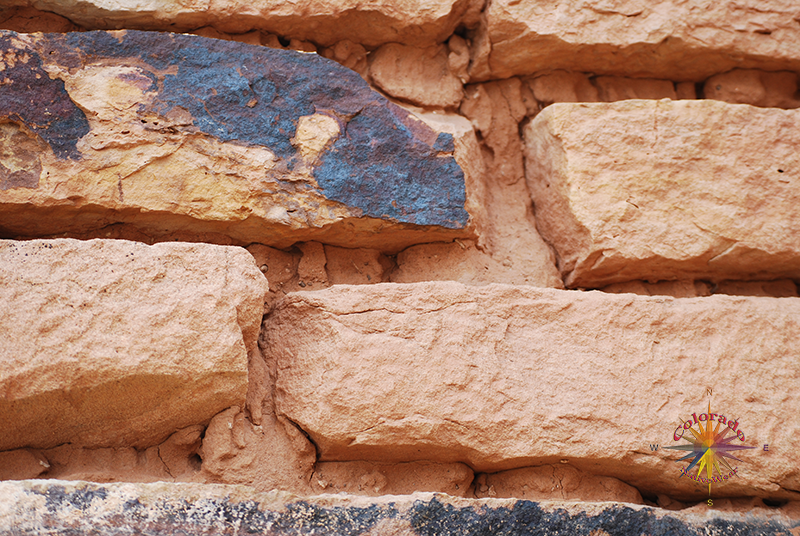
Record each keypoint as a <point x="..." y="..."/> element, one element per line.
<point x="648" y="190"/>
<point x="419" y="23"/>
<point x="58" y="507"/>
<point x="500" y="377"/>
<point x="676" y="40"/>
<point x="110" y="343"/>
<point x="172" y="132"/>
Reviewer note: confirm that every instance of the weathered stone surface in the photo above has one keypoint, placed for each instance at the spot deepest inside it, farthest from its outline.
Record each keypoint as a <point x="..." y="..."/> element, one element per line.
<point x="615" y="88"/>
<point x="779" y="288"/>
<point x="21" y="464"/>
<point x="324" y="22"/>
<point x="375" y="479"/>
<point x="273" y="455"/>
<point x="510" y="250"/>
<point x="659" y="190"/>
<point x="495" y="109"/>
<point x="501" y="377"/>
<point x="25" y="19"/>
<point x="57" y="507"/>
<point x="562" y="86"/>
<point x="759" y="88"/>
<point x="113" y="343"/>
<point x="673" y="40"/>
<point x="676" y="289"/>
<point x="183" y="133"/>
<point x="555" y="482"/>
<point x="349" y="54"/>
<point x="420" y="76"/>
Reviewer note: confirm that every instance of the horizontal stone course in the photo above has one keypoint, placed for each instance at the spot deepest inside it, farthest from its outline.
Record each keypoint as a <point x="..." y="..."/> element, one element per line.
<point x="676" y="40"/>
<point x="661" y="190"/>
<point x="110" y="343"/>
<point x="325" y="22"/>
<point x="57" y="507"/>
<point x="174" y="133"/>
<point x="500" y="377"/>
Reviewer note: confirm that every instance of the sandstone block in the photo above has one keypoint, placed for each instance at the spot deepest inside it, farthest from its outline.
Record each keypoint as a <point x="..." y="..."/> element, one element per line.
<point x="375" y="479"/>
<point x="322" y="21"/>
<point x="660" y="190"/>
<point x="615" y="88"/>
<point x="273" y="455"/>
<point x="349" y="54"/>
<point x="759" y="88"/>
<point x="420" y="76"/>
<point x="152" y="509"/>
<point x="562" y="86"/>
<point x="502" y="377"/>
<point x="22" y="464"/>
<point x="555" y="482"/>
<point x="495" y="110"/>
<point x="112" y="343"/>
<point x="672" y="40"/>
<point x="208" y="136"/>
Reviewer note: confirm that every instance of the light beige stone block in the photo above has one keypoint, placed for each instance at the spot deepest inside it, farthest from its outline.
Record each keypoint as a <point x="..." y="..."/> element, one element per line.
<point x="673" y="40"/>
<point x="112" y="343"/>
<point x="502" y="377"/>
<point x="321" y="21"/>
<point x="659" y="190"/>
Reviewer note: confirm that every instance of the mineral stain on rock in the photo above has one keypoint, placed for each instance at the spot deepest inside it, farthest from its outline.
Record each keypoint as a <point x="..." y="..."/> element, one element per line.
<point x="254" y="96"/>
<point x="30" y="96"/>
<point x="19" y="158"/>
<point x="156" y="509"/>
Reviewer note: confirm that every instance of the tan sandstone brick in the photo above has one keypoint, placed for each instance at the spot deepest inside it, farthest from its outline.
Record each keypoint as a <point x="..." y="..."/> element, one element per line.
<point x="112" y="343"/>
<point x="502" y="377"/>
<point x="660" y="190"/>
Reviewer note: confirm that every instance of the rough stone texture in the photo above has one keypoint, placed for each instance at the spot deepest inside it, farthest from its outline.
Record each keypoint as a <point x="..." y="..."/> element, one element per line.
<point x="420" y="76"/>
<point x="615" y="88"/>
<point x="356" y="266"/>
<point x="29" y="20"/>
<point x="495" y="110"/>
<point x="57" y="507"/>
<point x="555" y="482"/>
<point x="325" y="22"/>
<point x="649" y="190"/>
<point x="173" y="460"/>
<point x="348" y="54"/>
<point x="183" y="133"/>
<point x="759" y="88"/>
<point x="112" y="343"/>
<point x="510" y="249"/>
<point x="375" y="479"/>
<point x="780" y="288"/>
<point x="673" y="40"/>
<point x="22" y="464"/>
<point x="562" y="86"/>
<point x="273" y="455"/>
<point x="501" y="377"/>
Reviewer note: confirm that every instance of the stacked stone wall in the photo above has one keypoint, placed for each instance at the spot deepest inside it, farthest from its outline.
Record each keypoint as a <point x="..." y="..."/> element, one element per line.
<point x="472" y="264"/>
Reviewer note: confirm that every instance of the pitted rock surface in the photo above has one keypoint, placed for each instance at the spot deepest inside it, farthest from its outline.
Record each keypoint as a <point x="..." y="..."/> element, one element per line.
<point x="57" y="507"/>
<point x="178" y="132"/>
<point x="650" y="190"/>
<point x="110" y="343"/>
<point x="325" y="22"/>
<point x="502" y="377"/>
<point x="674" y="39"/>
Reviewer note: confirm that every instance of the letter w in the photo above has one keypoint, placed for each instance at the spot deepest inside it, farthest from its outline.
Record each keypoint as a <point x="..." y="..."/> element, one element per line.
<point x="653" y="447"/>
